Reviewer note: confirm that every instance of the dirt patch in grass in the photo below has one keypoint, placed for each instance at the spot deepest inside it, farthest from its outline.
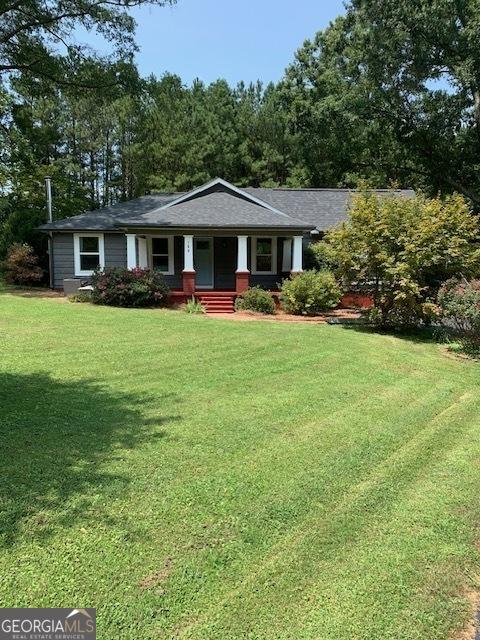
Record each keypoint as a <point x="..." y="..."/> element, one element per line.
<point x="457" y="355"/>
<point x="35" y="292"/>
<point x="472" y="630"/>
<point x="156" y="579"/>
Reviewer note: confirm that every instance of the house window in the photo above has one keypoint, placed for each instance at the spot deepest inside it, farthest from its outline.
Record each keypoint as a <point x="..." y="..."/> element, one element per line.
<point x="89" y="253"/>
<point x="264" y="254"/>
<point x="162" y="254"/>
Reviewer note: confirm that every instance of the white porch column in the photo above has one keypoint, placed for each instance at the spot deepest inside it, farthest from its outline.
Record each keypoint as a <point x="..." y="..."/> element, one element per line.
<point x="297" y="262"/>
<point x="242" y="274"/>
<point x="131" y="251"/>
<point x="242" y="264"/>
<point x="142" y="253"/>
<point x="188" y="253"/>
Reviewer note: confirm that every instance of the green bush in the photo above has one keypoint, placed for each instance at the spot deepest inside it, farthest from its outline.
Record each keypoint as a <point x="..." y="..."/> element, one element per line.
<point x="399" y="250"/>
<point x="404" y="314"/>
<point x="321" y="256"/>
<point x="193" y="306"/>
<point x="21" y="265"/>
<point x="255" y="299"/>
<point x="129" y="287"/>
<point x="310" y="293"/>
<point x="459" y="302"/>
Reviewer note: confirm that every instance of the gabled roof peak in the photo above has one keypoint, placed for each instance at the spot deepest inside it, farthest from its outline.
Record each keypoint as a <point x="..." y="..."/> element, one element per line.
<point x="226" y="186"/>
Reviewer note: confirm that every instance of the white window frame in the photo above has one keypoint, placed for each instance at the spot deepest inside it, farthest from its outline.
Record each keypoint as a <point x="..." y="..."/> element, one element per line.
<point x="171" y="261"/>
<point x="77" y="253"/>
<point x="255" y="271"/>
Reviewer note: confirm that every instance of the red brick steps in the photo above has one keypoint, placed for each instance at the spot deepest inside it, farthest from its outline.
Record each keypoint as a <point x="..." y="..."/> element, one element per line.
<point x="217" y="303"/>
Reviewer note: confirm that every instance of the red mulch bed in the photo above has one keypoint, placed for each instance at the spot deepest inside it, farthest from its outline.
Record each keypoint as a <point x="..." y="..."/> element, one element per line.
<point x="280" y="316"/>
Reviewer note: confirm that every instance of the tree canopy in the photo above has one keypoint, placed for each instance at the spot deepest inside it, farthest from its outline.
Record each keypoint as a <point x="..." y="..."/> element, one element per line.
<point x="390" y="91"/>
<point x="36" y="35"/>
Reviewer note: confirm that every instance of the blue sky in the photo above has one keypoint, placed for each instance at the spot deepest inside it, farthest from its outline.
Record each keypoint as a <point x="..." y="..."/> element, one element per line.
<point x="229" y="39"/>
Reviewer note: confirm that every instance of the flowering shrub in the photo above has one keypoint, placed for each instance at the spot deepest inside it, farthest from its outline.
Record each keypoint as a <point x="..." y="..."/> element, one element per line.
<point x="255" y="299"/>
<point x="129" y="287"/>
<point x="21" y="265"/>
<point x="459" y="302"/>
<point x="310" y="292"/>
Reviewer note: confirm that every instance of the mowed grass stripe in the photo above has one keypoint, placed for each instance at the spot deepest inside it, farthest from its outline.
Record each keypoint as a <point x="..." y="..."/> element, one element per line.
<point x="265" y="480"/>
<point x="336" y="528"/>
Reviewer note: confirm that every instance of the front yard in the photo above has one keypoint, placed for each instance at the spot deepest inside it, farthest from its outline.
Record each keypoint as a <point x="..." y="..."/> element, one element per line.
<point x="197" y="478"/>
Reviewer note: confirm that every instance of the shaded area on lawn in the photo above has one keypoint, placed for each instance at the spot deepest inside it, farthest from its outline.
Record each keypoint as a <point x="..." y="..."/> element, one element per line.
<point x="419" y="335"/>
<point x="54" y="438"/>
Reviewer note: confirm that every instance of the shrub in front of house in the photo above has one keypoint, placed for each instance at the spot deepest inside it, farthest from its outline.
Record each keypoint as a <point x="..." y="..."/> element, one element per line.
<point x="321" y="256"/>
<point x="310" y="293"/>
<point x="194" y="306"/>
<point x="403" y="313"/>
<point x="21" y="265"/>
<point x="255" y="299"/>
<point x="398" y="250"/>
<point x="459" y="302"/>
<point x="129" y="287"/>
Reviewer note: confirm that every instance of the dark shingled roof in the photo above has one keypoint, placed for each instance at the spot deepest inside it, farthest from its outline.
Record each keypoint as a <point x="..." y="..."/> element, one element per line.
<point x="324" y="208"/>
<point x="220" y="205"/>
<point x="109" y="218"/>
<point x="218" y="209"/>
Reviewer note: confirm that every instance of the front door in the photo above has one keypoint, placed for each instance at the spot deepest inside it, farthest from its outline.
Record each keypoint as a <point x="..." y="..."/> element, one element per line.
<point x="203" y="262"/>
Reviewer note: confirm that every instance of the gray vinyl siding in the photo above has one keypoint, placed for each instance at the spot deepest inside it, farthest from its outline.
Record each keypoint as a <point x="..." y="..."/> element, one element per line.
<point x="225" y="260"/>
<point x="63" y="259"/>
<point x="63" y="262"/>
<point x="115" y="250"/>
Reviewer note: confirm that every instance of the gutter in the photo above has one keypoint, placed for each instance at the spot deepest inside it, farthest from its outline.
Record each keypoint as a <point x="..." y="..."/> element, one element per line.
<point x="303" y="227"/>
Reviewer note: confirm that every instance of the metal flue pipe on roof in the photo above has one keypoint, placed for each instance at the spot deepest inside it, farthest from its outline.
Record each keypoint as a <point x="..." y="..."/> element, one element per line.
<point x="48" y="191"/>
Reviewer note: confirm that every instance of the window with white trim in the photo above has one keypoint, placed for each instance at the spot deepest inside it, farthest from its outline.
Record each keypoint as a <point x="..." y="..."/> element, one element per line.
<point x="89" y="253"/>
<point x="162" y="254"/>
<point x="264" y="256"/>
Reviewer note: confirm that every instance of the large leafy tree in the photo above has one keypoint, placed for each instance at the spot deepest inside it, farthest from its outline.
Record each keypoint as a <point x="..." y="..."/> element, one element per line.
<point x="422" y="63"/>
<point x="391" y="90"/>
<point x="36" y="35"/>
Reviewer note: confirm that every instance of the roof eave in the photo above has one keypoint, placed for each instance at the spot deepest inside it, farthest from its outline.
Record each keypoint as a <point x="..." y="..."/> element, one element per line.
<point x="303" y="226"/>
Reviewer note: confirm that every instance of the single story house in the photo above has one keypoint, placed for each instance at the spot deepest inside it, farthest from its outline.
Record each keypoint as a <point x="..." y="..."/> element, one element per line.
<point x="213" y="241"/>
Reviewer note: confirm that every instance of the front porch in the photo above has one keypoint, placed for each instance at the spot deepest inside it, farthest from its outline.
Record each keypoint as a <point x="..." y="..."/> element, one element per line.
<point x="216" y="265"/>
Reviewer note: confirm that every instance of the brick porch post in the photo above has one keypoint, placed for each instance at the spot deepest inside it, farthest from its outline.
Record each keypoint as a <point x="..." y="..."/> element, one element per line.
<point x="188" y="273"/>
<point x="242" y="274"/>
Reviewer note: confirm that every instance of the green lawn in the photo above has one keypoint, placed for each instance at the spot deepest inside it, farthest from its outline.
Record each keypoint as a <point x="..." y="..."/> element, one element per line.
<point x="202" y="478"/>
